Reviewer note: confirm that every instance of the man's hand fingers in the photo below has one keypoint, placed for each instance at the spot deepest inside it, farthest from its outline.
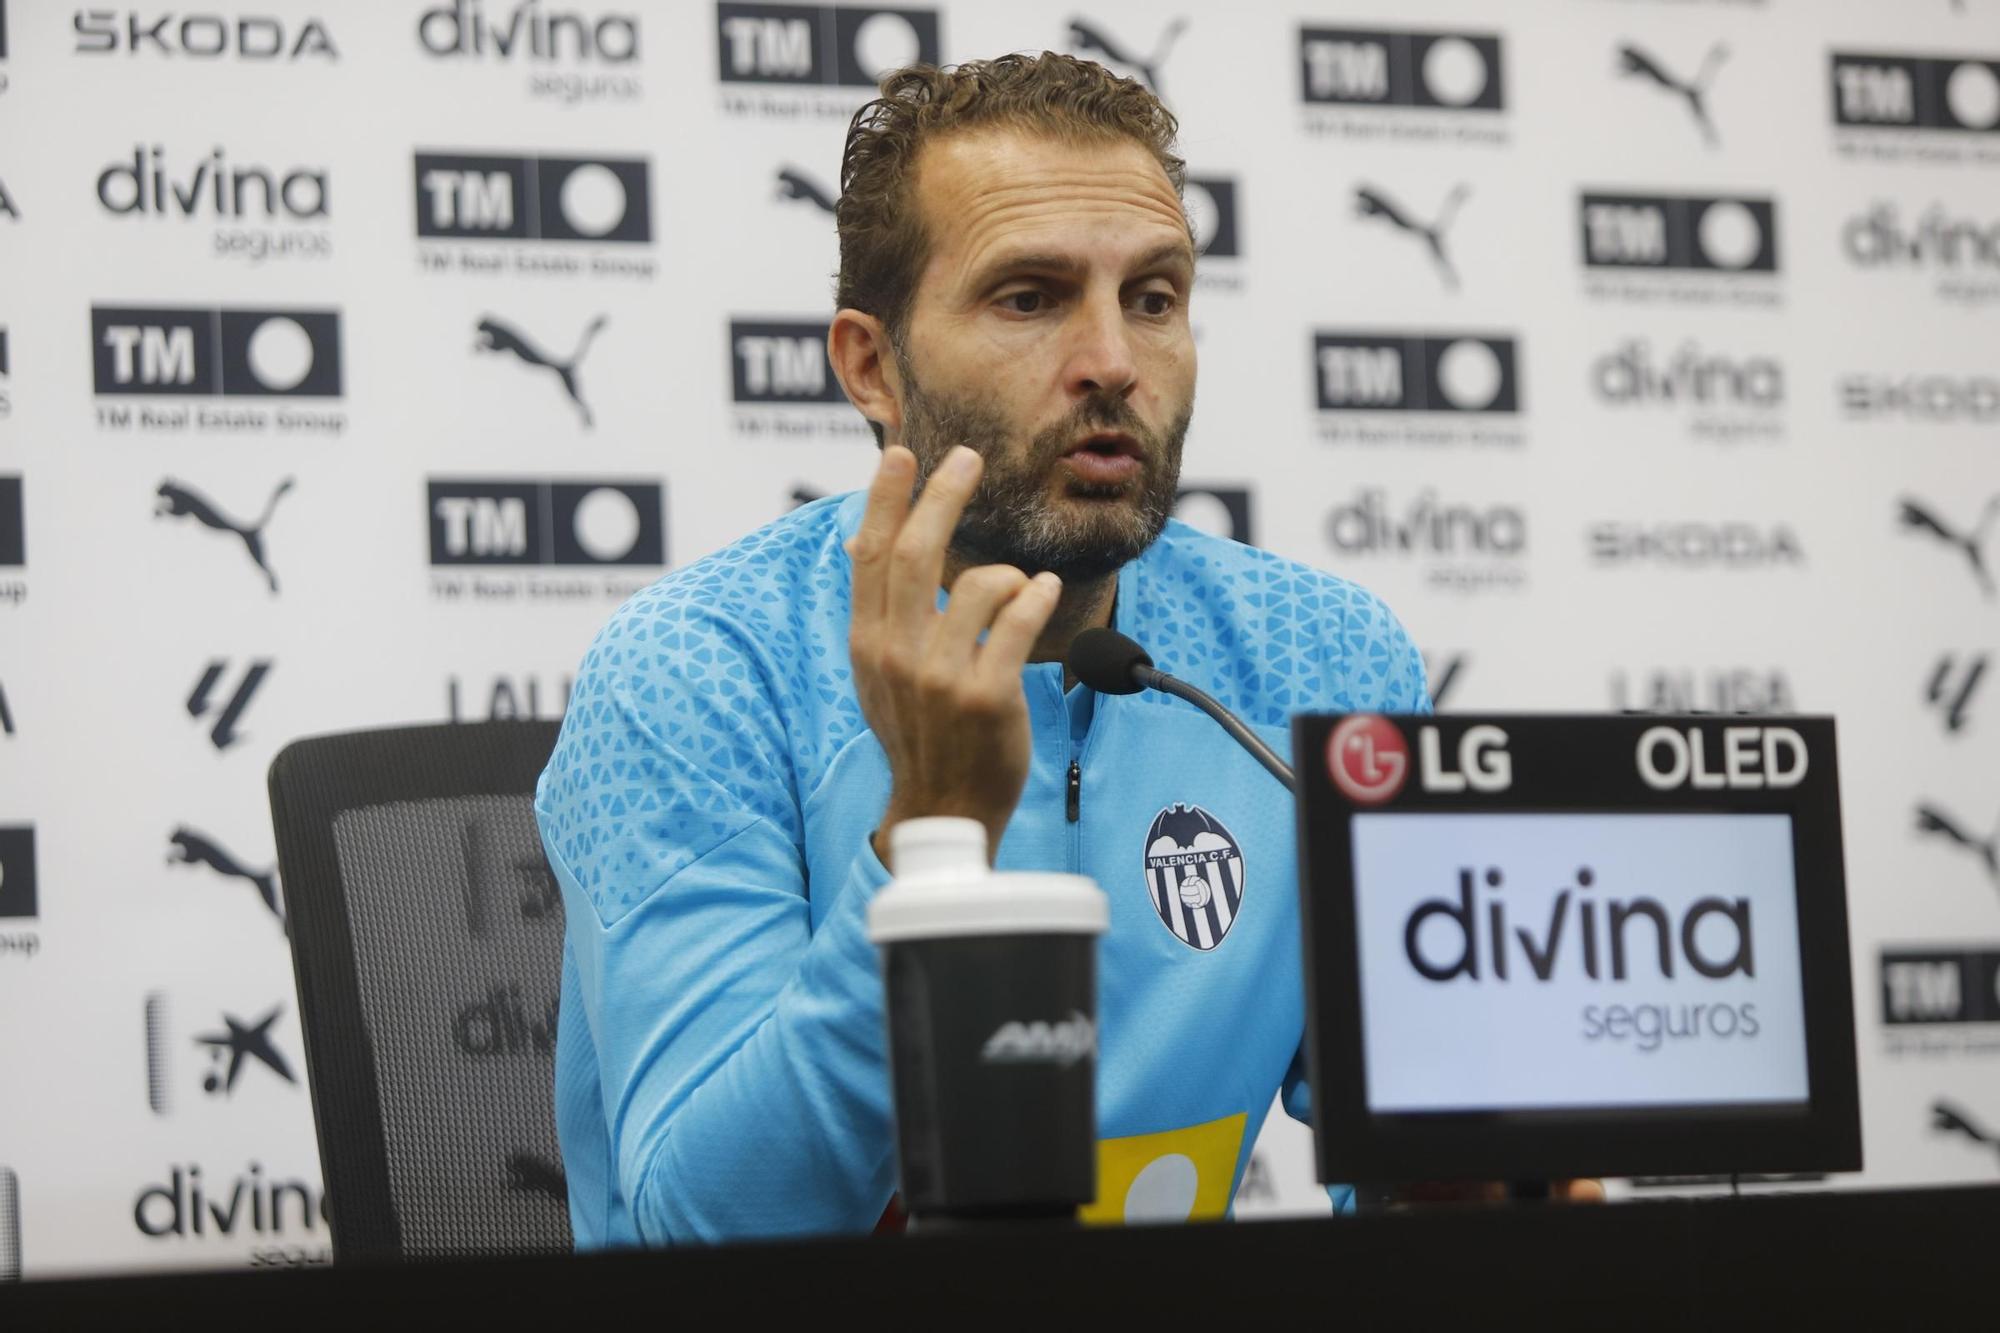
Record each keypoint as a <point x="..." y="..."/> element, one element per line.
<point x="1015" y="629"/>
<point x="868" y="549"/>
<point x="916" y="559"/>
<point x="976" y="597"/>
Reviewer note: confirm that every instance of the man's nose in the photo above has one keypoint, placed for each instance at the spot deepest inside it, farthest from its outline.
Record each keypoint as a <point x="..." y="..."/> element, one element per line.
<point x="1100" y="358"/>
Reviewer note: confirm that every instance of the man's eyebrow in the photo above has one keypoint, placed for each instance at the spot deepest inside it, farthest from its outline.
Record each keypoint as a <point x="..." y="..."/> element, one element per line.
<point x="1170" y="254"/>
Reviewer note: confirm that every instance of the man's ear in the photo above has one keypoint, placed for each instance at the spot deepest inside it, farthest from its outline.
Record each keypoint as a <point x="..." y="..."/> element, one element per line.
<point x="858" y="346"/>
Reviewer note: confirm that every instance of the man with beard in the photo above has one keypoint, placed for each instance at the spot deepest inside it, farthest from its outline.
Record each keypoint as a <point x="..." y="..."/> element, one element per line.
<point x="1014" y="284"/>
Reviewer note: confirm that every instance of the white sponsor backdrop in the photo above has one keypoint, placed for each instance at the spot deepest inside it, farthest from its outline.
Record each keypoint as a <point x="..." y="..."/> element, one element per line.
<point x="1726" y="454"/>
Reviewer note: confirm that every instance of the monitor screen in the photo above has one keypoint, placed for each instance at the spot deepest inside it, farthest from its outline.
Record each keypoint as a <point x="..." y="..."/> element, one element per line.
<point x="1541" y="946"/>
<point x="1529" y="961"/>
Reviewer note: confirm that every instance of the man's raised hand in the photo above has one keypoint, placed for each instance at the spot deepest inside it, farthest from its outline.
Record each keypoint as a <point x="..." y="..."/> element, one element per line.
<point x="947" y="709"/>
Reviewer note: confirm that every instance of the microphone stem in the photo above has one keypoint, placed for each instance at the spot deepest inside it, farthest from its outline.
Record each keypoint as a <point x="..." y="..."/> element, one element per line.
<point x="1180" y="689"/>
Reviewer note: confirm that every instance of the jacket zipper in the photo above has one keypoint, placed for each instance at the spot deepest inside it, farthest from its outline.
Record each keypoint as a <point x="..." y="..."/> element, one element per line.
<point x="1074" y="809"/>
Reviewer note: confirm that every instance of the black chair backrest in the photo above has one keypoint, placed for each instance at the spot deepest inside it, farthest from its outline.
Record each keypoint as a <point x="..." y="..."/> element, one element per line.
<point x="427" y="940"/>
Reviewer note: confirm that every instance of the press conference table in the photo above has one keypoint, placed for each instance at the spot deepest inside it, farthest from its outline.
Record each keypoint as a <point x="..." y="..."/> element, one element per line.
<point x="1773" y="1261"/>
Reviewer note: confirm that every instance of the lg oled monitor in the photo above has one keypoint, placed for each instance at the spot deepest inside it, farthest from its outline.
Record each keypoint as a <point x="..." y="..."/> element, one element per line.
<point x="1557" y="946"/>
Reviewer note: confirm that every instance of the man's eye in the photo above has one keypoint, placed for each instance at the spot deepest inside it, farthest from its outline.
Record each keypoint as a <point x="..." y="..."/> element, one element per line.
<point x="1156" y="303"/>
<point x="1024" y="303"/>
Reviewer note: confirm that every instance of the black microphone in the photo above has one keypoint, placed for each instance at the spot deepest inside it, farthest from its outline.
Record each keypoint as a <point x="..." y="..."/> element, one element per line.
<point x="1111" y="663"/>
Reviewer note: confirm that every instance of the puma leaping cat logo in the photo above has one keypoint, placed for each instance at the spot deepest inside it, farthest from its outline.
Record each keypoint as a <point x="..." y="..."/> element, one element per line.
<point x="1086" y="39"/>
<point x="495" y="336"/>
<point x="1632" y="60"/>
<point x="1918" y="516"/>
<point x="179" y="501"/>
<point x="1930" y="819"/>
<point x="1948" y="1119"/>
<point x="191" y="848"/>
<point x="1372" y="203"/>
<point x="795" y="184"/>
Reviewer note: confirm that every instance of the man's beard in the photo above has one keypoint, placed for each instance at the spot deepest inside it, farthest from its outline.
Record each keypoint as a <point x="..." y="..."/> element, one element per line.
<point x="1012" y="518"/>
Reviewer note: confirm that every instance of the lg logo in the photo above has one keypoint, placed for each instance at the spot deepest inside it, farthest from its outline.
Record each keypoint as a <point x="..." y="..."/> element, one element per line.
<point x="480" y="522"/>
<point x="1916" y="92"/>
<point x="1687" y="233"/>
<point x="1397" y="373"/>
<point x="1369" y="760"/>
<point x="1449" y="71"/>
<point x="210" y="352"/>
<point x="469" y="196"/>
<point x="824" y="45"/>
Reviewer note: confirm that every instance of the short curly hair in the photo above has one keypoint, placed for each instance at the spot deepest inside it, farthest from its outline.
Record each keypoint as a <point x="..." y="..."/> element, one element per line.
<point x="883" y="244"/>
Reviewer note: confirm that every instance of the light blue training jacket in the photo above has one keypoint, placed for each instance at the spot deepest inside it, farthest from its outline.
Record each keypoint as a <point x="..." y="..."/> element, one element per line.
<point x="721" y="1066"/>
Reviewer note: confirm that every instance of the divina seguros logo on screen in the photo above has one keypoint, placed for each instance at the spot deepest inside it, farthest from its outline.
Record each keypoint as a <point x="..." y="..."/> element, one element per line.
<point x="1663" y="943"/>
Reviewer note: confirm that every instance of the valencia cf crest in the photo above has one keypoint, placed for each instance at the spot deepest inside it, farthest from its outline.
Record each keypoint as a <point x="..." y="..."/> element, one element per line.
<point x="1194" y="875"/>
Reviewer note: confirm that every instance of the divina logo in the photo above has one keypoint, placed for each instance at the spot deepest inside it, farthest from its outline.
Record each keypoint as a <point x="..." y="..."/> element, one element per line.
<point x="1880" y="238"/>
<point x="1634" y="60"/>
<point x="1367" y="526"/>
<point x="1694" y="545"/>
<point x="499" y="1023"/>
<point x="823" y="45"/>
<point x="1438" y="70"/>
<point x="202" y="36"/>
<point x="1386" y="372"/>
<point x="1093" y="41"/>
<point x="227" y="353"/>
<point x="781" y="361"/>
<point x="523" y="522"/>
<point x="180" y="501"/>
<point x="151" y="184"/>
<point x="527" y="31"/>
<point x="474" y="196"/>
<point x="1915" y="92"/>
<point x="1600" y="946"/>
<point x="188" y="1205"/>
<point x="1373" y="203"/>
<point x="1635" y="374"/>
<point x="1692" y="233"/>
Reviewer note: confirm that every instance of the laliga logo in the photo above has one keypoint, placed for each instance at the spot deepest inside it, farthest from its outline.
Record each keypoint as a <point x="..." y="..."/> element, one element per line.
<point x="1369" y="760"/>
